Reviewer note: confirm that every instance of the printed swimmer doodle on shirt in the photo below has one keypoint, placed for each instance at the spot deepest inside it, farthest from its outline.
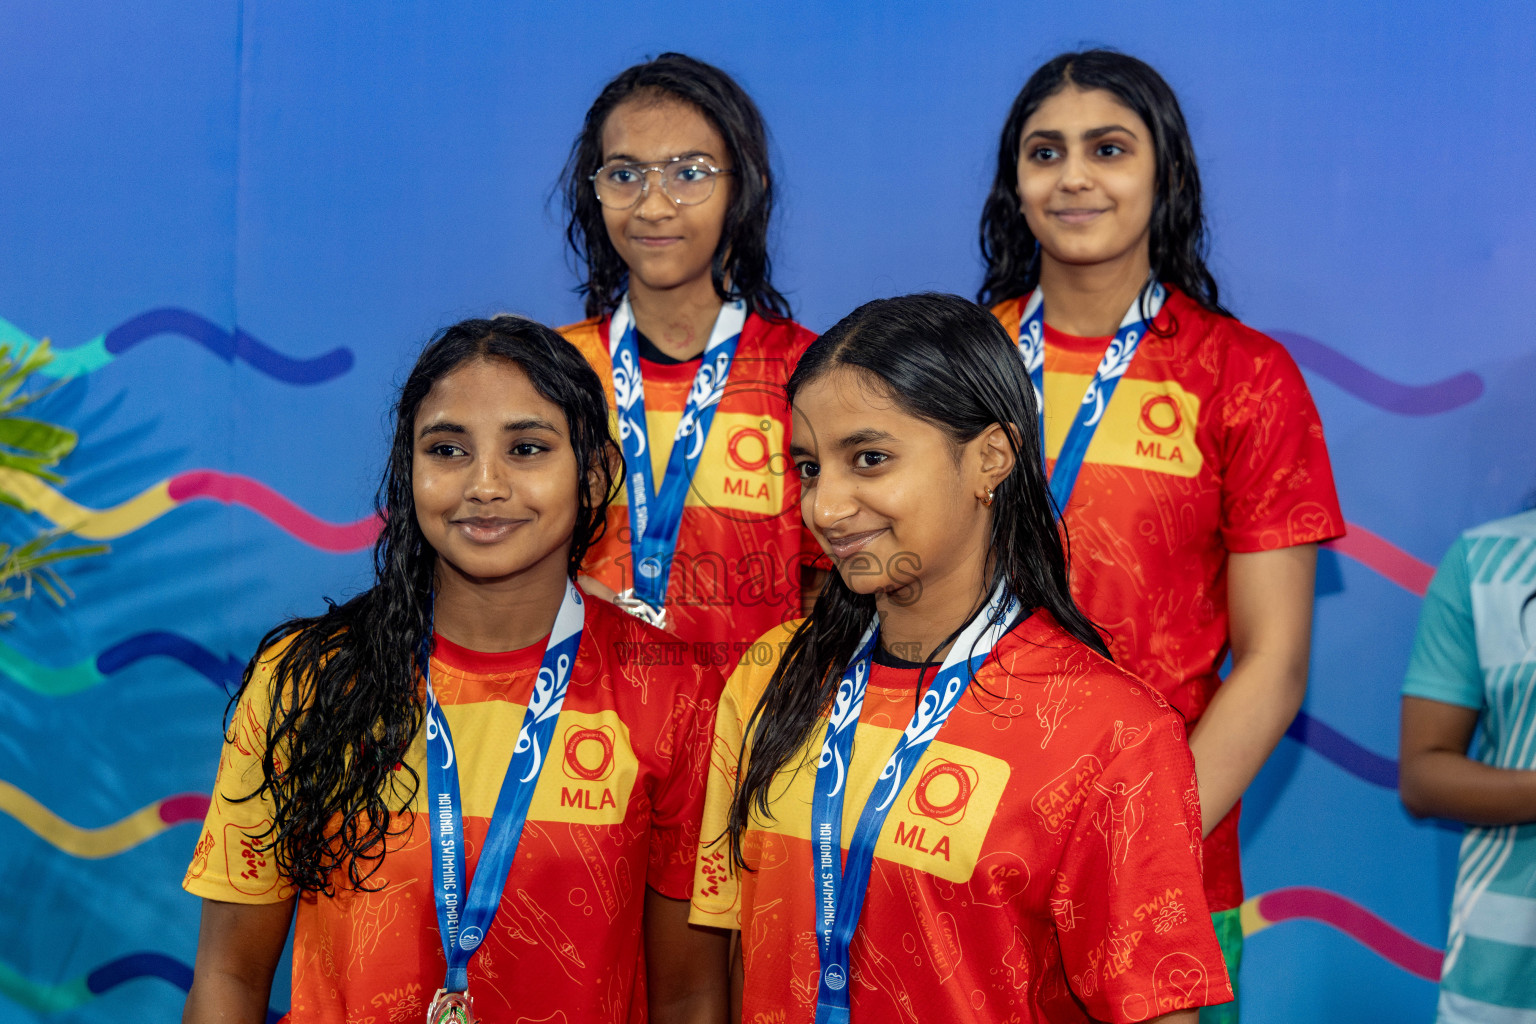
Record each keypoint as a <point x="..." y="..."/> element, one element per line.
<point x="1119" y="819"/>
<point x="1017" y="958"/>
<point x="1053" y="707"/>
<point x="371" y="914"/>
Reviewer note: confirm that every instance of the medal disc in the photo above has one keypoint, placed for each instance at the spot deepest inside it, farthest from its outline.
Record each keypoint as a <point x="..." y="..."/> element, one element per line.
<point x="451" y="1008"/>
<point x="658" y="617"/>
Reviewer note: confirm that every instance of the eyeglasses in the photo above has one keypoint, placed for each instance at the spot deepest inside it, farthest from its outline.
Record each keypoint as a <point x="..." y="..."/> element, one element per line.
<point x="686" y="180"/>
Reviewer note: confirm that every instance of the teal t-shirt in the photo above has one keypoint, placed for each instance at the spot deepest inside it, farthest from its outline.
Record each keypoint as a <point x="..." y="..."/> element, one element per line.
<point x="1476" y="648"/>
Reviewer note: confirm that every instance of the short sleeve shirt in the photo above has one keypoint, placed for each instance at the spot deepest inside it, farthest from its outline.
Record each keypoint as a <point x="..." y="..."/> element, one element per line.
<point x="1210" y="445"/>
<point x="741" y="543"/>
<point x="1041" y="863"/>
<point x="616" y="810"/>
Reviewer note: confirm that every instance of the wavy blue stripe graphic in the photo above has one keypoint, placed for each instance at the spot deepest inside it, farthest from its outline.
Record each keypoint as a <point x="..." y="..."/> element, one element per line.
<point x="228" y="346"/>
<point x="1363" y="764"/>
<point x="147" y="965"/>
<point x="1374" y="389"/>
<point x="222" y="672"/>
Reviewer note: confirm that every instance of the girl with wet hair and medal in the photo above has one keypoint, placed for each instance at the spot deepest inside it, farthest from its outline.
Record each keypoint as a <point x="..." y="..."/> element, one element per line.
<point x="1184" y="451"/>
<point x="473" y="790"/>
<point x="941" y="801"/>
<point x="669" y="194"/>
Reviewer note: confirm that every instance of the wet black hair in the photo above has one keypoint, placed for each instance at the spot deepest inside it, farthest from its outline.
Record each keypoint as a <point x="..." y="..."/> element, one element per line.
<point x="741" y="267"/>
<point x="344" y="702"/>
<point x="1178" y="236"/>
<point x="948" y="361"/>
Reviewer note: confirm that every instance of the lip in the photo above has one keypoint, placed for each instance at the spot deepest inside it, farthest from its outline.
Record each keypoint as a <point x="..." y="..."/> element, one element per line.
<point x="486" y="529"/>
<point x="852" y="543"/>
<point x="1075" y="215"/>
<point x="656" y="242"/>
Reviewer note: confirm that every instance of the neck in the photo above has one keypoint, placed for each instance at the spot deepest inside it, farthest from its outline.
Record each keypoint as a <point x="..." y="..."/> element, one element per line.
<point x="919" y="618"/>
<point x="502" y="614"/>
<point x="1090" y="299"/>
<point x="678" y="320"/>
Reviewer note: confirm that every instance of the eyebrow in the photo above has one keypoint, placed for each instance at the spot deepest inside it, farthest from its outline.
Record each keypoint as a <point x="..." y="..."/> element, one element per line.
<point x="611" y="157"/>
<point x="1051" y="135"/>
<point x="868" y="435"/>
<point x="511" y="427"/>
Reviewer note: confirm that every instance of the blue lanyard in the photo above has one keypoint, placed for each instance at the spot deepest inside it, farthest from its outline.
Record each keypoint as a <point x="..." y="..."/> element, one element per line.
<point x="462" y="920"/>
<point x="1117" y="359"/>
<point x="840" y="890"/>
<point x="656" y="512"/>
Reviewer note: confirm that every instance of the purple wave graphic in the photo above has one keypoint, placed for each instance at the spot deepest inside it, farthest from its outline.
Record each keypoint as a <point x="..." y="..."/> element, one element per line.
<point x="228" y="345"/>
<point x="1363" y="764"/>
<point x="1371" y="387"/>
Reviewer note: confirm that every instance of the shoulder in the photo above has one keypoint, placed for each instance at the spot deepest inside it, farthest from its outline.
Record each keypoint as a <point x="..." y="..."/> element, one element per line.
<point x="757" y="664"/>
<point x="1521" y="525"/>
<point x="1040" y="658"/>
<point x="776" y="343"/>
<point x="1225" y="344"/>
<point x="588" y="335"/>
<point x="1008" y="313"/>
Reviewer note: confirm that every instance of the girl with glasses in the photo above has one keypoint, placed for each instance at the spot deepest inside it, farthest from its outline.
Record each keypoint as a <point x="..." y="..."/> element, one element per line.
<point x="940" y="801"/>
<point x="469" y="780"/>
<point x="1184" y="451"/>
<point x="669" y="193"/>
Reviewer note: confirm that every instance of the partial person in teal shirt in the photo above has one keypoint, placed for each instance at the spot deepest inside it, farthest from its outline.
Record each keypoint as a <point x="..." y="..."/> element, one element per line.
<point x="1468" y="753"/>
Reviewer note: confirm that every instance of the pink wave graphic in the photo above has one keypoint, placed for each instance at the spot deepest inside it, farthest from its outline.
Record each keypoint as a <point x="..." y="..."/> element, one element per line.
<point x="232" y="489"/>
<point x="184" y="807"/>
<point x="1382" y="556"/>
<point x="1364" y="927"/>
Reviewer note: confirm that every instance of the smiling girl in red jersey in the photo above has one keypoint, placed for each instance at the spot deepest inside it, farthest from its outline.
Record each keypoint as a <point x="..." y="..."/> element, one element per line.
<point x="1019" y="815"/>
<point x="1185" y="453"/>
<point x="468" y="779"/>
<point x="669" y="194"/>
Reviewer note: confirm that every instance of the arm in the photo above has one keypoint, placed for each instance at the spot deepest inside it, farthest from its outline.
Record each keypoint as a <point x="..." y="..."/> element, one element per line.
<point x="687" y="975"/>
<point x="738" y="977"/>
<point x="238" y="946"/>
<point x="1438" y="779"/>
<point x="1269" y="599"/>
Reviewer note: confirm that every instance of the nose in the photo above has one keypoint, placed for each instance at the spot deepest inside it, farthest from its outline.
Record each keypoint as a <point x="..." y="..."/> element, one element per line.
<point x="487" y="481"/>
<point x="831" y="501"/>
<point x="1075" y="173"/>
<point x="655" y="204"/>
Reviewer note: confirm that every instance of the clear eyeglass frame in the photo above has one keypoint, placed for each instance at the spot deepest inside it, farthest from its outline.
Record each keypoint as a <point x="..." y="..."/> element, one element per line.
<point x="667" y="172"/>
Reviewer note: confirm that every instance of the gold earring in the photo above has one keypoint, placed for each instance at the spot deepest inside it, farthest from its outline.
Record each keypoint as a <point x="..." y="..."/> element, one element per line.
<point x="987" y="501"/>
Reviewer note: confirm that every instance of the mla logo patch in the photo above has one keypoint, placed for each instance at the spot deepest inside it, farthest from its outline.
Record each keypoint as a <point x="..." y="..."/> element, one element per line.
<point x="748" y="448"/>
<point x="589" y="753"/>
<point x="943" y="791"/>
<point x="1160" y="415"/>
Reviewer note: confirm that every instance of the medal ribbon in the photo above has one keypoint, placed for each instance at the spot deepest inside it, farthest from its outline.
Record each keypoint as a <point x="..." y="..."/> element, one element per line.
<point x="1117" y="359"/>
<point x="840" y="890"/>
<point x="465" y="909"/>
<point x="656" y="512"/>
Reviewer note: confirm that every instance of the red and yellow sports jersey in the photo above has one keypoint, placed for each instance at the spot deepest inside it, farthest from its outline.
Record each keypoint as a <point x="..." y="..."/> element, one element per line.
<point x="736" y="571"/>
<point x="1211" y="444"/>
<point x="616" y="809"/>
<point x="1041" y="863"/>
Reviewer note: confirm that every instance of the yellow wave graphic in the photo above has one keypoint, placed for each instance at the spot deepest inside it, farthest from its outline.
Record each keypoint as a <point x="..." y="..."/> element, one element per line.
<point x="89" y="523"/>
<point x="92" y="843"/>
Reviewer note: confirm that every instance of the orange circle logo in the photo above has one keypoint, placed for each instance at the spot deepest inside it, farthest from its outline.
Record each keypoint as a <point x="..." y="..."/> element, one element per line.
<point x="588" y="754"/>
<point x="748" y="448"/>
<point x="1161" y="415"/>
<point x="944" y="790"/>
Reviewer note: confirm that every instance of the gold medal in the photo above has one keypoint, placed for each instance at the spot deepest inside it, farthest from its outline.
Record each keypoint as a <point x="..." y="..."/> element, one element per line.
<point x="451" y="1008"/>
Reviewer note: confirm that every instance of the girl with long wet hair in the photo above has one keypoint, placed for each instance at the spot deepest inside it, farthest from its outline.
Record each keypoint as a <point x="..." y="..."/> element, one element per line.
<point x="1183" y="448"/>
<point x="669" y="192"/>
<point x="939" y="800"/>
<point x="468" y="779"/>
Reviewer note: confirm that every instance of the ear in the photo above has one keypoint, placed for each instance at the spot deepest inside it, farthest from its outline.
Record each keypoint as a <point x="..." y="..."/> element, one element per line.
<point x="611" y="460"/>
<point x="995" y="458"/>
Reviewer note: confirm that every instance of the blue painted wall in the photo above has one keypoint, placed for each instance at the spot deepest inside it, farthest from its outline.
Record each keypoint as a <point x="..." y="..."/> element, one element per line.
<point x="325" y="176"/>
